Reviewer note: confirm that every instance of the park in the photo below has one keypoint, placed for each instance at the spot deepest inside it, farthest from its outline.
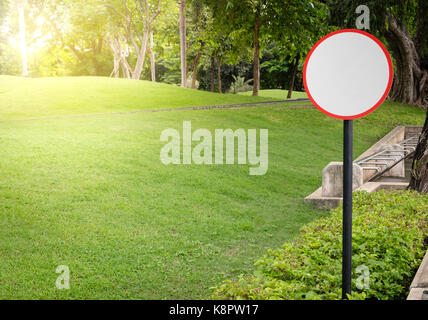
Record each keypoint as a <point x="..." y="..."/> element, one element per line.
<point x="163" y="150"/>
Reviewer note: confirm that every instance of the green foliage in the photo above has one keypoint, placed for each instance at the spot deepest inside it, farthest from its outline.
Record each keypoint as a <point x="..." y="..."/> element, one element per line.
<point x="4" y="8"/>
<point x="342" y="13"/>
<point x="277" y="68"/>
<point x="228" y="74"/>
<point x="389" y="230"/>
<point x="295" y="24"/>
<point x="239" y="85"/>
<point x="9" y="60"/>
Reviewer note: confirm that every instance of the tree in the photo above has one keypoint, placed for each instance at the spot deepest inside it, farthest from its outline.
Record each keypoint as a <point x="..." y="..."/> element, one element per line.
<point x="402" y="24"/>
<point x="22" y="36"/>
<point x="198" y="34"/>
<point x="23" y="39"/>
<point x="183" y="48"/>
<point x="244" y="14"/>
<point x="267" y="20"/>
<point x="4" y="8"/>
<point x="136" y="23"/>
<point x="223" y="51"/>
<point x="22" y="30"/>
<point x="419" y="180"/>
<point x="212" y="78"/>
<point x="293" y="77"/>
<point x="279" y="69"/>
<point x="9" y="61"/>
<point x="75" y="35"/>
<point x="309" y="30"/>
<point x="120" y="50"/>
<point x="148" y="18"/>
<point x="152" y="57"/>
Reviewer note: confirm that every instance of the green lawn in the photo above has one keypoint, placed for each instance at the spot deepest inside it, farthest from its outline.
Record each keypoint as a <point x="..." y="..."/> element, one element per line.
<point x="277" y="94"/>
<point x="27" y="98"/>
<point x="92" y="194"/>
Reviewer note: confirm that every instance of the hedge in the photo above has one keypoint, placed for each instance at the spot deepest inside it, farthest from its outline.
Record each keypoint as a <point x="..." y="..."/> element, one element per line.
<point x="389" y="237"/>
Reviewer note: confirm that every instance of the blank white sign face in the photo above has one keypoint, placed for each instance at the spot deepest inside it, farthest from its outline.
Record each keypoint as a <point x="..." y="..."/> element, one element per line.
<point x="348" y="74"/>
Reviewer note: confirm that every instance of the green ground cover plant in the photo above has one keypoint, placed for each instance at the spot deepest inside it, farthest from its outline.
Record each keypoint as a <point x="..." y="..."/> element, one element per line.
<point x="389" y="234"/>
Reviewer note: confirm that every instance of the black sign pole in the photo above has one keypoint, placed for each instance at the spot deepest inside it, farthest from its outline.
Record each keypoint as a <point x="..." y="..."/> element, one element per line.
<point x="347" y="208"/>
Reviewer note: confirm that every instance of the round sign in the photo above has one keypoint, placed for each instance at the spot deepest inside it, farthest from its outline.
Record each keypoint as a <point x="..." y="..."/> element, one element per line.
<point x="348" y="74"/>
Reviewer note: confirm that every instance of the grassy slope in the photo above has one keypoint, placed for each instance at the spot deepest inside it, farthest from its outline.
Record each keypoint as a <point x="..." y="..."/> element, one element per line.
<point x="277" y="94"/>
<point x="92" y="194"/>
<point x="28" y="98"/>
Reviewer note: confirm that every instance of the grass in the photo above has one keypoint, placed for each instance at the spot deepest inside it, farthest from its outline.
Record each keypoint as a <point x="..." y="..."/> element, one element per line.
<point x="277" y="94"/>
<point x="92" y="194"/>
<point x="28" y="98"/>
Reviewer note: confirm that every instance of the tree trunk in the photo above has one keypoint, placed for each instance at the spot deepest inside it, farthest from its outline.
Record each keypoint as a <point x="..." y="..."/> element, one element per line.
<point x="152" y="59"/>
<point x="116" y="58"/>
<point x="410" y="80"/>
<point x="419" y="180"/>
<point x="116" y="67"/>
<point x="136" y="75"/>
<point x="96" y="50"/>
<point x="410" y="87"/>
<point x="142" y="50"/>
<point x="36" y="66"/>
<point x="119" y="59"/>
<point x="219" y="75"/>
<point x="182" y="18"/>
<point x="131" y="32"/>
<point x="196" y="65"/>
<point x="126" y="70"/>
<point x="256" y="60"/>
<point x="23" y="40"/>
<point x="212" y="81"/>
<point x="293" y="77"/>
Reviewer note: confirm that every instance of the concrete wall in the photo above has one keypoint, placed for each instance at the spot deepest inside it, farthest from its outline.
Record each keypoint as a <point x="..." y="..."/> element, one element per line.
<point x="396" y="135"/>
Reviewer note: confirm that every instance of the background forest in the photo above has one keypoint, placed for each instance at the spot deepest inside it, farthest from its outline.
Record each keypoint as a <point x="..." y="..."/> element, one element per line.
<point x="215" y="45"/>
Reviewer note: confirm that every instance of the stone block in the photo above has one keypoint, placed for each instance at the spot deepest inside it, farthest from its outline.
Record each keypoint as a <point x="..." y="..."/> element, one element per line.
<point x="332" y="179"/>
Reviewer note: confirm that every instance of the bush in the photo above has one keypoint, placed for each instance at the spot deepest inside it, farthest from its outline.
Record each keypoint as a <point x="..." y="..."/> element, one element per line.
<point x="240" y="85"/>
<point x="389" y="230"/>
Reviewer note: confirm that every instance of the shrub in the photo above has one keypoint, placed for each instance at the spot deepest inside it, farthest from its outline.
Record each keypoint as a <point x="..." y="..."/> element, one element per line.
<point x="389" y="230"/>
<point x="240" y="85"/>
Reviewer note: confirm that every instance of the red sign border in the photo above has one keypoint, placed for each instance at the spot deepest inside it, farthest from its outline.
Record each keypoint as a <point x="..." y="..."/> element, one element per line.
<point x="388" y="88"/>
